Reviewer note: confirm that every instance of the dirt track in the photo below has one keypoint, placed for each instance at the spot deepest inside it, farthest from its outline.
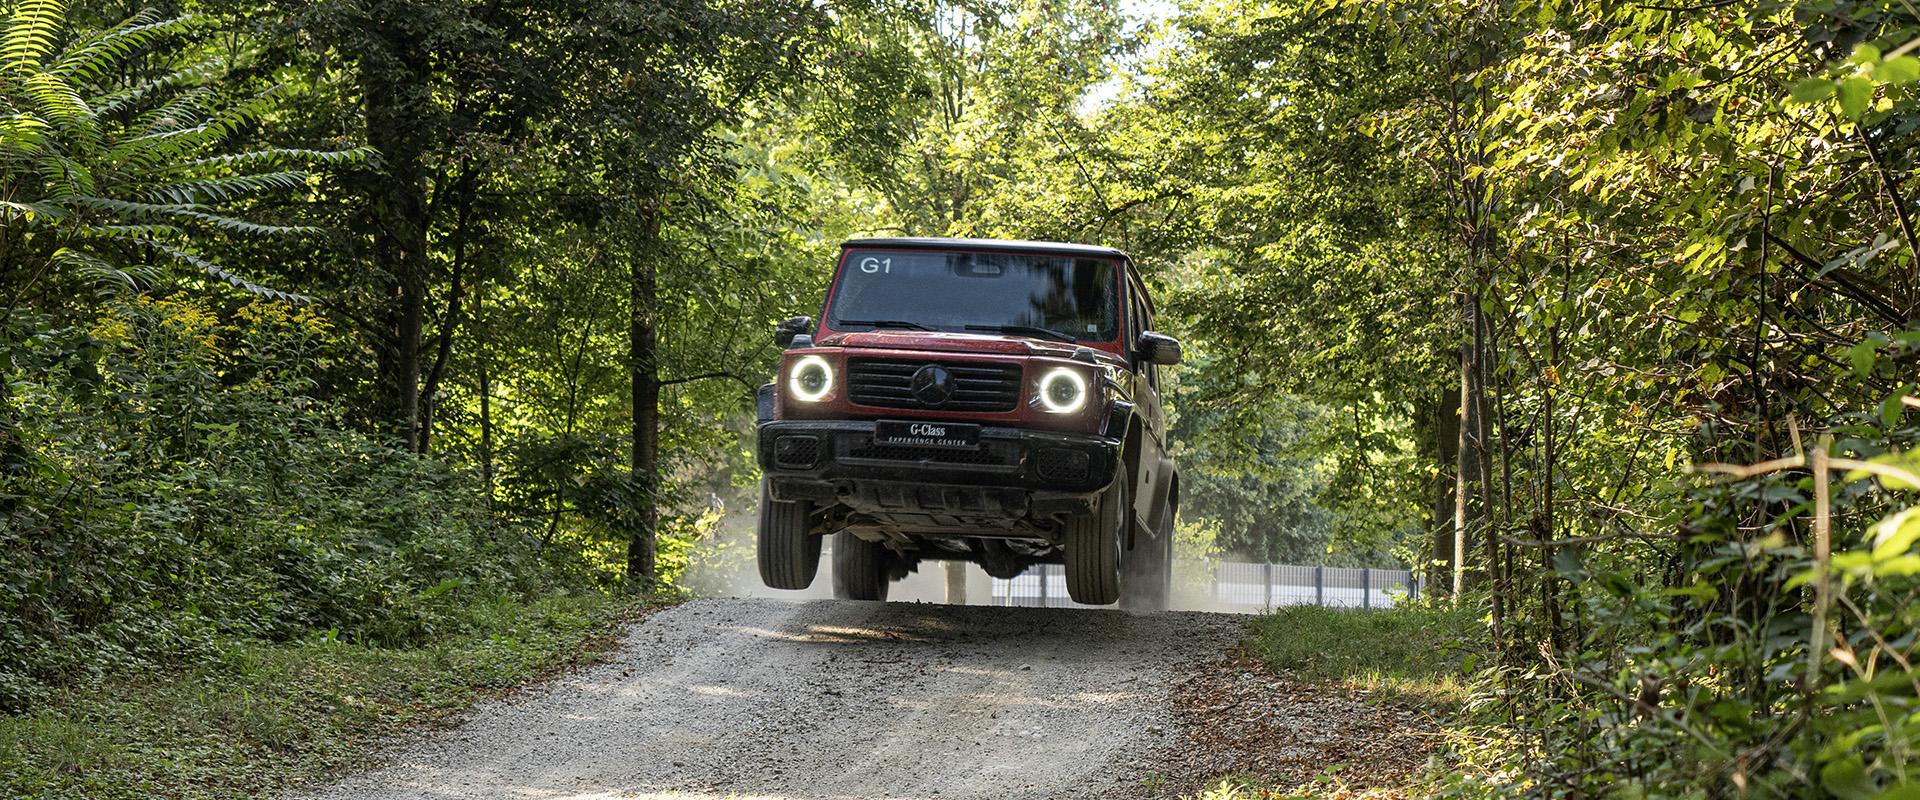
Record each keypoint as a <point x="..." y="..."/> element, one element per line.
<point x="824" y="699"/>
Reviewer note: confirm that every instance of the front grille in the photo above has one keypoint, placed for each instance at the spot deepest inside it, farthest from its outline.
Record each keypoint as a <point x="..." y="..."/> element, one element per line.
<point x="1061" y="465"/>
<point x="796" y="452"/>
<point x="978" y="386"/>
<point x="990" y="454"/>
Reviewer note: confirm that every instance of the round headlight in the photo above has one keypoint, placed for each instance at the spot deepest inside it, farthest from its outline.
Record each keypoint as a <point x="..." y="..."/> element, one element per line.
<point x="812" y="378"/>
<point x="1063" y="391"/>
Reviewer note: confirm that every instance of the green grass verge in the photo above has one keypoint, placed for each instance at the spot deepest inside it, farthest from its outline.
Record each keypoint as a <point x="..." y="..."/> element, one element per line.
<point x="264" y="718"/>
<point x="1412" y="653"/>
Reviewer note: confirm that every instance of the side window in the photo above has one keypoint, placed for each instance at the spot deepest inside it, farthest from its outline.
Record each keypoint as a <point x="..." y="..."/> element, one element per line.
<point x="1152" y="369"/>
<point x="1135" y="321"/>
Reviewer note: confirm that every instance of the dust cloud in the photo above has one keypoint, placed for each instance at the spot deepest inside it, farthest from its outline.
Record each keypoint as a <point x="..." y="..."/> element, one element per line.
<point x="723" y="566"/>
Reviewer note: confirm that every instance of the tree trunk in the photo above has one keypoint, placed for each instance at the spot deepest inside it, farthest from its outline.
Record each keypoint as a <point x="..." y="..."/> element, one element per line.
<point x="1549" y="463"/>
<point x="1476" y="399"/>
<point x="486" y="400"/>
<point x="392" y="93"/>
<point x="1446" y="438"/>
<point x="1466" y="471"/>
<point x="643" y="355"/>
<point x="15" y="458"/>
<point x="450" y="319"/>
<point x="443" y="355"/>
<point x="486" y="432"/>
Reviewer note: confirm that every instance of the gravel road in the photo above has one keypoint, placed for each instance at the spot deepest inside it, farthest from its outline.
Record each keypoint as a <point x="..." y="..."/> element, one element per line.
<point x="762" y="698"/>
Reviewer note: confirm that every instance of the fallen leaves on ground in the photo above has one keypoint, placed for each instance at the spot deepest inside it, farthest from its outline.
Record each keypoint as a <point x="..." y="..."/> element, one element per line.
<point x="1289" y="738"/>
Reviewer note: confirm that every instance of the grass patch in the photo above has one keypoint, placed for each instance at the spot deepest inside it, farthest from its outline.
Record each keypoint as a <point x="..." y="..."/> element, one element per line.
<point x="263" y="718"/>
<point x="1410" y="652"/>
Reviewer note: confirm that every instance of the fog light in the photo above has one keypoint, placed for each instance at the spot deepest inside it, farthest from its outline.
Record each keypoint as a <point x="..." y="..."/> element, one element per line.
<point x="796" y="452"/>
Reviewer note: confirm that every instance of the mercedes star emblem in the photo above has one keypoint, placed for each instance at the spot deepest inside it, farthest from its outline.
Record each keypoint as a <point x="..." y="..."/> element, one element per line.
<point x="932" y="385"/>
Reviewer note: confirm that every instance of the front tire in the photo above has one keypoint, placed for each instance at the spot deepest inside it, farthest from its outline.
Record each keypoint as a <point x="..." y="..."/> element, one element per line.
<point x="788" y="552"/>
<point x="1093" y="546"/>
<point x="860" y="568"/>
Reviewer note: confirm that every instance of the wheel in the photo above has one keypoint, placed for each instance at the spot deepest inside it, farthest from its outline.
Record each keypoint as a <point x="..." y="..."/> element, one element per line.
<point x="859" y="568"/>
<point x="789" y="553"/>
<point x="1149" y="570"/>
<point x="1093" y="546"/>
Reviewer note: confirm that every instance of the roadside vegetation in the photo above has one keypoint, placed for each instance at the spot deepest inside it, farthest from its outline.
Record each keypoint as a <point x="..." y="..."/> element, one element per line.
<point x="1420" y="654"/>
<point x="255" y="718"/>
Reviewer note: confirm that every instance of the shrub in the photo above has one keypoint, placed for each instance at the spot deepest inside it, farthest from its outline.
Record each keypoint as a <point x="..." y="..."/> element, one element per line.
<point x="183" y="490"/>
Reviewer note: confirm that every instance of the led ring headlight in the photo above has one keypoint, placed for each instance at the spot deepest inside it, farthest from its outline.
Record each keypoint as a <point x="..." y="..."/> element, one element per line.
<point x="811" y="379"/>
<point x="1063" y="391"/>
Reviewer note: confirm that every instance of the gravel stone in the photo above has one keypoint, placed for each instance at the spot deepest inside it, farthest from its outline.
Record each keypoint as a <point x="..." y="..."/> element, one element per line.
<point x="757" y="698"/>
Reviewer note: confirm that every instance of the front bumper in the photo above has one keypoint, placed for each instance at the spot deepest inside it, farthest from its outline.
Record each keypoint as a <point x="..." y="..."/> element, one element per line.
<point x="821" y="460"/>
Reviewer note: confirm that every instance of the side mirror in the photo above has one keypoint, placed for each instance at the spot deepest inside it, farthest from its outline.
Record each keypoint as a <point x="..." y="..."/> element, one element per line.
<point x="1157" y="348"/>
<point x="784" y="332"/>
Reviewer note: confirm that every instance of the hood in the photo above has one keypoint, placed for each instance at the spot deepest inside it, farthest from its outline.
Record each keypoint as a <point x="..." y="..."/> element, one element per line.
<point x="955" y="343"/>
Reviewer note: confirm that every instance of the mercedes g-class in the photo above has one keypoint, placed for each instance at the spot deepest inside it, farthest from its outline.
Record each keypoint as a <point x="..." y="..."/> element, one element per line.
<point x="989" y="401"/>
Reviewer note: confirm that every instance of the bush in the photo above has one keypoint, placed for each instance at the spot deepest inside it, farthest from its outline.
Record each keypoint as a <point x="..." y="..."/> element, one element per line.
<point x="1710" y="662"/>
<point x="180" y="488"/>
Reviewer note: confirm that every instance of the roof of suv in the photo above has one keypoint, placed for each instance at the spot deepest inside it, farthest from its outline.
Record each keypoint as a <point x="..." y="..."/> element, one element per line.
<point x="990" y="245"/>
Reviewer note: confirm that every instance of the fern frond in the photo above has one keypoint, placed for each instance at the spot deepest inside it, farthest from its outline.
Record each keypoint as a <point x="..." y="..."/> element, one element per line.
<point x="189" y="75"/>
<point x="224" y="189"/>
<point x="93" y="269"/>
<point x="91" y="57"/>
<point x="33" y="213"/>
<point x="23" y="132"/>
<point x="181" y="113"/>
<point x="232" y="225"/>
<point x="56" y="101"/>
<point x="30" y="30"/>
<point x="187" y="212"/>
<point x="232" y="279"/>
<point x="67" y="161"/>
<point x="279" y="156"/>
<point x="129" y="231"/>
<point x="124" y="207"/>
<point x="64" y="176"/>
<point x="171" y="144"/>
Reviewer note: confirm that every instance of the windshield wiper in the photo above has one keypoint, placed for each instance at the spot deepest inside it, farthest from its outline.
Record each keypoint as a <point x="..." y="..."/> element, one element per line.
<point x="1043" y="333"/>
<point x="883" y="323"/>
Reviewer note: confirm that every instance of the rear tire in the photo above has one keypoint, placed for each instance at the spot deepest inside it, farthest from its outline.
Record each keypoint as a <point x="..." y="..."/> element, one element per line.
<point x="1093" y="546"/>
<point x="1149" y="570"/>
<point x="860" y="568"/>
<point x="788" y="552"/>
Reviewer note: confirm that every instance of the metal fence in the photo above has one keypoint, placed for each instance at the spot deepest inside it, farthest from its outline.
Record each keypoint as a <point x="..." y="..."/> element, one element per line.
<point x="1231" y="584"/>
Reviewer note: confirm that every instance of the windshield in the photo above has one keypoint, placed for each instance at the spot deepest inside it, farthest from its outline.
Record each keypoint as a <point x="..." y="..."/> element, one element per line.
<point x="1071" y="298"/>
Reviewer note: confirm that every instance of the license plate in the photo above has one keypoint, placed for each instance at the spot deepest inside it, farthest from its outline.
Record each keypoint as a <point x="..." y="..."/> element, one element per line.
<point x="959" y="436"/>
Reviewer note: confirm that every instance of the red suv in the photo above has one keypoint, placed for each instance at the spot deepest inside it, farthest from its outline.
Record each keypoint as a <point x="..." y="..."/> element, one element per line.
<point x="977" y="400"/>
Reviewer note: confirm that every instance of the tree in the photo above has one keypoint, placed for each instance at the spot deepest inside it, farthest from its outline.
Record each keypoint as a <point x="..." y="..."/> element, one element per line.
<point x="940" y="109"/>
<point x="107" y="185"/>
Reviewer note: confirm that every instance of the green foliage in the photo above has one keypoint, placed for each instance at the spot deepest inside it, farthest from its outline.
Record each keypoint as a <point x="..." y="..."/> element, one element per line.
<point x="262" y="719"/>
<point x="182" y="489"/>
<point x="1422" y="651"/>
<point x="1196" y="544"/>
<point x="106" y="179"/>
<point x="1661" y="236"/>
<point x="959" y="119"/>
<point x="1257" y="488"/>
